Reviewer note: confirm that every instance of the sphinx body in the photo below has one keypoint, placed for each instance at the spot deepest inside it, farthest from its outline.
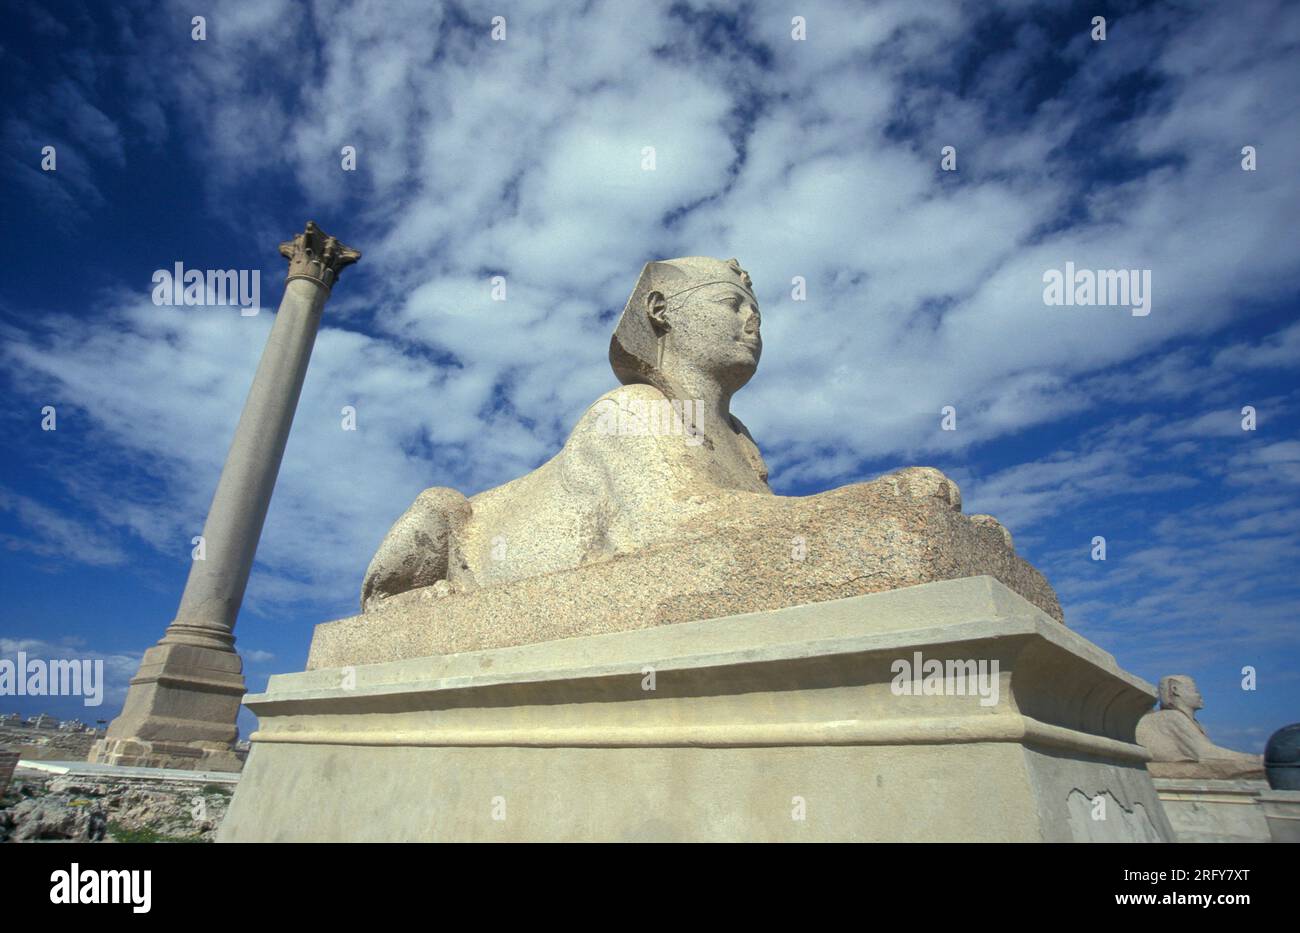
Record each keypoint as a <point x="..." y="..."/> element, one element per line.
<point x="661" y="462"/>
<point x="615" y="487"/>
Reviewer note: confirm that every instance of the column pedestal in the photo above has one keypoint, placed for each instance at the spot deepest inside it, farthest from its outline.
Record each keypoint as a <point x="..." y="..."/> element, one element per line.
<point x="179" y="713"/>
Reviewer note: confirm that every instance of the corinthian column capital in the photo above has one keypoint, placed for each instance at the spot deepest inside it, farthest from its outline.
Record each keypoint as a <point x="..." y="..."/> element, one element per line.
<point x="315" y="255"/>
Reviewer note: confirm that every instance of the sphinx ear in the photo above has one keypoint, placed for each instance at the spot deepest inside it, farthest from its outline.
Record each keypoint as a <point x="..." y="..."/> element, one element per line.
<point x="655" y="307"/>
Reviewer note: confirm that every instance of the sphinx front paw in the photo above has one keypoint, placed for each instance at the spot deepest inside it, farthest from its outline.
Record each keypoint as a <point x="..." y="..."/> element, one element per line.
<point x="416" y="551"/>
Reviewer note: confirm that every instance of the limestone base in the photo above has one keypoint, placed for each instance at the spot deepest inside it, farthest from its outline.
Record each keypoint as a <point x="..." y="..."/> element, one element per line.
<point x="1282" y="813"/>
<point x="133" y="753"/>
<point x="179" y="712"/>
<point x="1213" y="810"/>
<point x="773" y="726"/>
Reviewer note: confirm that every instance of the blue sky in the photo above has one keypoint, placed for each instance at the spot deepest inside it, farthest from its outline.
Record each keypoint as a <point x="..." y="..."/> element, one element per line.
<point x="817" y="158"/>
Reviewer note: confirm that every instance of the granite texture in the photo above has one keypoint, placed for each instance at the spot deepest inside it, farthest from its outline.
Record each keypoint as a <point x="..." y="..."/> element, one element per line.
<point x="901" y="530"/>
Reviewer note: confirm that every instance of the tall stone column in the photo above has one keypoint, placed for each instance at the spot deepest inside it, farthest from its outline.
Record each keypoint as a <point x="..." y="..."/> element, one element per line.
<point x="181" y="707"/>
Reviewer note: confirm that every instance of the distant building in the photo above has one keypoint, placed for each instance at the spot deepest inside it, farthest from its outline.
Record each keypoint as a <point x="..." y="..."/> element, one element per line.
<point x="43" y="721"/>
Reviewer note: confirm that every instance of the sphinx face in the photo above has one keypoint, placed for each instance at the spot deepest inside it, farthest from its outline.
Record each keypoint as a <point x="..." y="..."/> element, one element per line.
<point x="1186" y="694"/>
<point x="716" y="333"/>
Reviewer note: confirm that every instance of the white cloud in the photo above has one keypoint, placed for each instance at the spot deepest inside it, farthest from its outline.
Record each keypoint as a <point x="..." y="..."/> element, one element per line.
<point x="118" y="668"/>
<point x="50" y="533"/>
<point x="523" y="158"/>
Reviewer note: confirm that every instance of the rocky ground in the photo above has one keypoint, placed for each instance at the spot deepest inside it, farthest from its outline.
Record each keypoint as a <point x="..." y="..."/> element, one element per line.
<point x="48" y="744"/>
<point x="41" y="807"/>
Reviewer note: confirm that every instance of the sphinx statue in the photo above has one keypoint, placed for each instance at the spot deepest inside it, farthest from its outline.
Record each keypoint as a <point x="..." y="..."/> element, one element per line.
<point x="688" y="340"/>
<point x="1178" y="744"/>
<point x="661" y="483"/>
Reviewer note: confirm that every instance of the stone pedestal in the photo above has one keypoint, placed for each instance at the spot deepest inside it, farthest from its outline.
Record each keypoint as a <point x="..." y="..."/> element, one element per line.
<point x="8" y="761"/>
<point x="788" y="724"/>
<point x="1212" y="810"/>
<point x="1281" y="810"/>
<point x="180" y="712"/>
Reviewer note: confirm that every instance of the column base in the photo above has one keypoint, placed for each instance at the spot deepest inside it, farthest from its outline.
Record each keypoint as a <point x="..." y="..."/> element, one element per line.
<point x="179" y="712"/>
<point x="181" y="756"/>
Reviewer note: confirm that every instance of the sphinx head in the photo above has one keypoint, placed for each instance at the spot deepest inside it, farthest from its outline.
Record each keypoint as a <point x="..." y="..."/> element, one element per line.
<point x="1178" y="691"/>
<point x="688" y="320"/>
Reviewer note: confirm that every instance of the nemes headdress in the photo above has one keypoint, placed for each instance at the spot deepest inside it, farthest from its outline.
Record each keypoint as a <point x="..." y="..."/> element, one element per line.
<point x="633" y="350"/>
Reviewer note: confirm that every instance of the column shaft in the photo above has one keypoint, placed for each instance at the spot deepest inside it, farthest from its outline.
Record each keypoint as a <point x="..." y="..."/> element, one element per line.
<point x="215" y="588"/>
